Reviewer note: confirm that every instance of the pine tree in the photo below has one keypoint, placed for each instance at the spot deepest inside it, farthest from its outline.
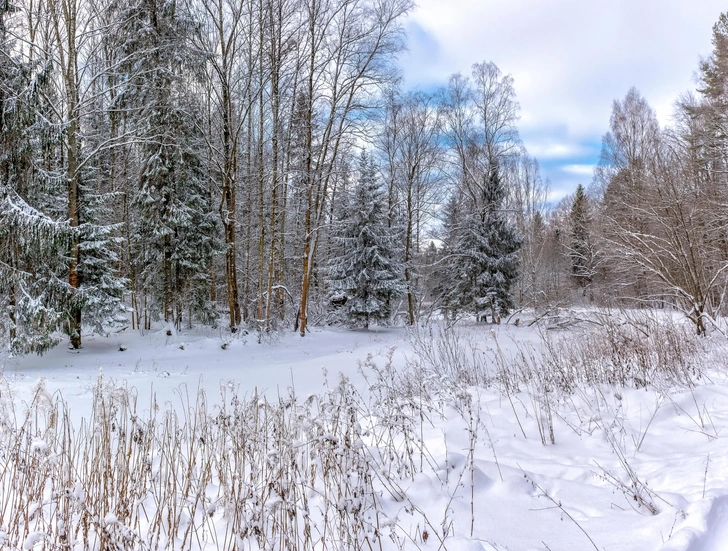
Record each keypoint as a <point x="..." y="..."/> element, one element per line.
<point x="485" y="257"/>
<point x="364" y="274"/>
<point x="714" y="68"/>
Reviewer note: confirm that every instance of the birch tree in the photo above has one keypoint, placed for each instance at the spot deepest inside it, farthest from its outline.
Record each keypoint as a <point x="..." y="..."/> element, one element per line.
<point x="349" y="48"/>
<point x="412" y="156"/>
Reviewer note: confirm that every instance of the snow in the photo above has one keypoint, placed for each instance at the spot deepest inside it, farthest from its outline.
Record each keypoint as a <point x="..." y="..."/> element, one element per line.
<point x="33" y="539"/>
<point x="169" y="364"/>
<point x="481" y="482"/>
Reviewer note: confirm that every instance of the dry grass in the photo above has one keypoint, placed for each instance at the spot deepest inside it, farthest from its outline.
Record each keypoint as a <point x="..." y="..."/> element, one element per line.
<point x="245" y="473"/>
<point x="284" y="473"/>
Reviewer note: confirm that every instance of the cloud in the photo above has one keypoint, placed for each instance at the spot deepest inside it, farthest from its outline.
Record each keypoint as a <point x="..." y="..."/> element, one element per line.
<point x="556" y="195"/>
<point x="424" y="50"/>
<point x="569" y="59"/>
<point x="554" y="150"/>
<point x="579" y="170"/>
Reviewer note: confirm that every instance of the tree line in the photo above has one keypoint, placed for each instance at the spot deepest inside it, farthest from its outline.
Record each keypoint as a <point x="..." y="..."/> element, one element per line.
<point x="200" y="161"/>
<point x="651" y="230"/>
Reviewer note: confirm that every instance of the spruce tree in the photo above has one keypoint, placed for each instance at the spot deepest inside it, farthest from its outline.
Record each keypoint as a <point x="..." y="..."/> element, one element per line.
<point x="174" y="234"/>
<point x="34" y="293"/>
<point x="485" y="257"/>
<point x="364" y="274"/>
<point x="580" y="250"/>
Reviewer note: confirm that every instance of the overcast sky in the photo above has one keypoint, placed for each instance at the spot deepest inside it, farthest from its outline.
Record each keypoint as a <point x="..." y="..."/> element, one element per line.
<point x="570" y="59"/>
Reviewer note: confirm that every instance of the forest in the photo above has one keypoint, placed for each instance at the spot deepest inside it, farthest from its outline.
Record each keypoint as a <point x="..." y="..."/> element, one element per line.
<point x="258" y="165"/>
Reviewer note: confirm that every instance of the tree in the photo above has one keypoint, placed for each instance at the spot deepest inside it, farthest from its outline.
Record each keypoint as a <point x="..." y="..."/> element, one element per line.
<point x="34" y="295"/>
<point x="581" y="249"/>
<point x="229" y="81"/>
<point x="485" y="258"/>
<point x="349" y="47"/>
<point x="365" y="275"/>
<point x="495" y="101"/>
<point x="479" y="124"/>
<point x="666" y="236"/>
<point x="714" y="84"/>
<point x="451" y="219"/>
<point x="527" y="200"/>
<point x="74" y="49"/>
<point x="174" y="233"/>
<point x="57" y="251"/>
<point x="629" y="151"/>
<point x="412" y="155"/>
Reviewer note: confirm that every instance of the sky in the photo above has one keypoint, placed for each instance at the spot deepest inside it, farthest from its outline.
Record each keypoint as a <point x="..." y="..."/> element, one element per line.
<point x="570" y="59"/>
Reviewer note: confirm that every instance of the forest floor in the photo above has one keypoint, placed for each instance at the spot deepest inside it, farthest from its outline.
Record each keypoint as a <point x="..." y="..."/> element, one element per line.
<point x="472" y="445"/>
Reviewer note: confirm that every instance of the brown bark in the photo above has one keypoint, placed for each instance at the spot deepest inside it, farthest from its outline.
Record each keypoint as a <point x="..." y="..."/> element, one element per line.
<point x="275" y="49"/>
<point x="228" y="209"/>
<point x="261" y="203"/>
<point x="308" y="176"/>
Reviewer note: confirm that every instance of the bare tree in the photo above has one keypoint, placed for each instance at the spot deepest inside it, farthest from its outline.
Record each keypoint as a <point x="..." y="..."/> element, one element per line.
<point x="664" y="231"/>
<point x="348" y="47"/>
<point x="480" y="125"/>
<point x="412" y="157"/>
<point x="628" y="154"/>
<point x="495" y="102"/>
<point x="223" y="37"/>
<point x="527" y="204"/>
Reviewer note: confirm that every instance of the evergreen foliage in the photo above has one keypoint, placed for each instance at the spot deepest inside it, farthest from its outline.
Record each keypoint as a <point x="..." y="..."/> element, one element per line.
<point x="365" y="275"/>
<point x="714" y="68"/>
<point x="191" y="159"/>
<point x="174" y="235"/>
<point x="581" y="252"/>
<point x="34" y="296"/>
<point x="33" y="292"/>
<point x="485" y="257"/>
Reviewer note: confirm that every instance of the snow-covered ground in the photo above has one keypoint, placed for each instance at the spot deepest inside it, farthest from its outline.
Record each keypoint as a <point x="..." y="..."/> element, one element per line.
<point x="168" y="364"/>
<point x="460" y="457"/>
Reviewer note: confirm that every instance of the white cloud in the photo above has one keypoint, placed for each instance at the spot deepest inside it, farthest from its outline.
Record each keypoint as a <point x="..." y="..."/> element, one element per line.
<point x="557" y="195"/>
<point x="579" y="170"/>
<point x="569" y="58"/>
<point x="553" y="150"/>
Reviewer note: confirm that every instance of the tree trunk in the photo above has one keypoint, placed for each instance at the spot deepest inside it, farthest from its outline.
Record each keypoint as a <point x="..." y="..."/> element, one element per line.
<point x="168" y="292"/>
<point x="308" y="177"/>
<point x="74" y="279"/>
<point x="407" y="258"/>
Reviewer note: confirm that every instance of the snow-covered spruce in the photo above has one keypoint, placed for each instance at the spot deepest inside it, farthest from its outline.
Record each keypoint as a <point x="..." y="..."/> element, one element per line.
<point x="483" y="255"/>
<point x="364" y="273"/>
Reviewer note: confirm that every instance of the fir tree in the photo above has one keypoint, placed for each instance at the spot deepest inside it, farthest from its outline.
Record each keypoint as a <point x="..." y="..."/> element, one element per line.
<point x="485" y="257"/>
<point x="364" y="274"/>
